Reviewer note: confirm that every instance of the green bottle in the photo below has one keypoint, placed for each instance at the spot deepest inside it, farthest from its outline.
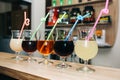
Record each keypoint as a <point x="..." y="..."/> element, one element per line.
<point x="69" y="1"/>
<point x="61" y="2"/>
<point x="53" y="2"/>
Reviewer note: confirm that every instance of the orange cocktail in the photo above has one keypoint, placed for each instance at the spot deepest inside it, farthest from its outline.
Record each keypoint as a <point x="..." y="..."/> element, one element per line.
<point x="45" y="48"/>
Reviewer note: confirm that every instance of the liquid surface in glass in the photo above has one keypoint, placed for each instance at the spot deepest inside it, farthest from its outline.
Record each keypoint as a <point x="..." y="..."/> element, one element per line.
<point x="45" y="47"/>
<point x="29" y="46"/>
<point x="15" y="44"/>
<point x="63" y="48"/>
<point x="86" y="49"/>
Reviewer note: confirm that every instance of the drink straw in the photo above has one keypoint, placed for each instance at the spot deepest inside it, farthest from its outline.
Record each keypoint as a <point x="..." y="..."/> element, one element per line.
<point x="59" y="19"/>
<point x="106" y="5"/>
<point x="103" y="11"/>
<point x="42" y="20"/>
<point x="26" y="22"/>
<point x="71" y="30"/>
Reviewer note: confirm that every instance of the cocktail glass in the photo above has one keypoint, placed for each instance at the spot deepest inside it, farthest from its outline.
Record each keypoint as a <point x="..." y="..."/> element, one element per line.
<point x="29" y="46"/>
<point x="63" y="49"/>
<point x="15" y="43"/>
<point x="45" y="48"/>
<point x="86" y="50"/>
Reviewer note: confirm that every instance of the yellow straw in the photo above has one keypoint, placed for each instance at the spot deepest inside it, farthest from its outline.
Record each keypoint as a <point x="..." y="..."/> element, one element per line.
<point x="59" y="19"/>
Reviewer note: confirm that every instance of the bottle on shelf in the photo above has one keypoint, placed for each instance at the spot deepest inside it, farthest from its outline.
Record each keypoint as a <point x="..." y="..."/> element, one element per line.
<point x="65" y="19"/>
<point x="53" y="16"/>
<point x="61" y="2"/>
<point x="80" y="0"/>
<point x="53" y="2"/>
<point x="73" y="15"/>
<point x="69" y="1"/>
<point x="91" y="17"/>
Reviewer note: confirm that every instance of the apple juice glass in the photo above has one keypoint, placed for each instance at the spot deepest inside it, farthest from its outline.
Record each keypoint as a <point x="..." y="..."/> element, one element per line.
<point x="86" y="50"/>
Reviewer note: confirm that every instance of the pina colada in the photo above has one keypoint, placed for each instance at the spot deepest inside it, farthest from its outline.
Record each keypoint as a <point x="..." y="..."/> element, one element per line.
<point x="86" y="49"/>
<point x="15" y="45"/>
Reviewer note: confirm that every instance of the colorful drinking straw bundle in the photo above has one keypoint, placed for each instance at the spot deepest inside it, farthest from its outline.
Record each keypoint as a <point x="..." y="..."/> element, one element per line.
<point x="43" y="20"/>
<point x="103" y="11"/>
<point x="27" y="22"/>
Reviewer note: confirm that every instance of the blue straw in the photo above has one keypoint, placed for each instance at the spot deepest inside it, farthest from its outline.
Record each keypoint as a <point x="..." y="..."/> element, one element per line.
<point x="71" y="30"/>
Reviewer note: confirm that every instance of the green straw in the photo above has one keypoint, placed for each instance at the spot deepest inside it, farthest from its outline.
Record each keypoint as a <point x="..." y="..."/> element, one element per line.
<point x="42" y="20"/>
<point x="59" y="19"/>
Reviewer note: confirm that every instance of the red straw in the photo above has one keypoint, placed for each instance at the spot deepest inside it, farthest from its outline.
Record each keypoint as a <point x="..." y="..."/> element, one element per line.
<point x="26" y="22"/>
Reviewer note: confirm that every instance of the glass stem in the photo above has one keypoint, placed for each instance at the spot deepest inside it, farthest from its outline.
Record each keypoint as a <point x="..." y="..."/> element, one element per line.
<point x="63" y="60"/>
<point x="17" y="55"/>
<point x="85" y="63"/>
<point x="45" y="57"/>
<point x="46" y="60"/>
<point x="30" y="56"/>
<point x="86" y="68"/>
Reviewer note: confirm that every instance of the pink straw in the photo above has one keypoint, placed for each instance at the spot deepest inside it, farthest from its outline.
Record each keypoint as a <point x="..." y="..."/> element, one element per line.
<point x="106" y="5"/>
<point x="26" y="22"/>
<point x="103" y="11"/>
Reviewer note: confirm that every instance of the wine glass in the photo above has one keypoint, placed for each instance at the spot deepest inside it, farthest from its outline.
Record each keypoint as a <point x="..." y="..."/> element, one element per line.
<point x="29" y="45"/>
<point x="15" y="43"/>
<point x="86" y="50"/>
<point x="63" y="49"/>
<point x="45" y="47"/>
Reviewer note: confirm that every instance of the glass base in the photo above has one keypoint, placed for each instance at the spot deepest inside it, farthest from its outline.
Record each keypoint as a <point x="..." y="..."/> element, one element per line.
<point x="86" y="69"/>
<point x="63" y="65"/>
<point x="17" y="58"/>
<point x="45" y="62"/>
<point x="30" y="60"/>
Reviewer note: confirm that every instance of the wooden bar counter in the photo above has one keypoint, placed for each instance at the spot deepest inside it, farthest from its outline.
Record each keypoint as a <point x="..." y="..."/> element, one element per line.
<point x="33" y="71"/>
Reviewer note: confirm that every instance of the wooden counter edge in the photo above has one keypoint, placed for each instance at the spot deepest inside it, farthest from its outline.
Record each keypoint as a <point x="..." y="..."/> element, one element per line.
<point x="19" y="75"/>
